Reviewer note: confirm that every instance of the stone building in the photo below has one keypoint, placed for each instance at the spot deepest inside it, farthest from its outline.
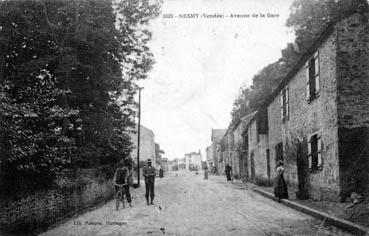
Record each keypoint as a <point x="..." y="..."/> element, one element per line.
<point x="173" y="165"/>
<point x="147" y="145"/>
<point x="164" y="164"/>
<point x="317" y="120"/>
<point x="195" y="159"/>
<point x="216" y="138"/>
<point x="184" y="163"/>
<point x="241" y="146"/>
<point x="229" y="152"/>
<point x="209" y="156"/>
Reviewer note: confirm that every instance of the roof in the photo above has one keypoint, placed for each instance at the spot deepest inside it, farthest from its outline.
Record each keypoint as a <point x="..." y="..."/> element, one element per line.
<point x="192" y="154"/>
<point x="246" y="119"/>
<point x="142" y="129"/>
<point x="217" y="134"/>
<point x="301" y="62"/>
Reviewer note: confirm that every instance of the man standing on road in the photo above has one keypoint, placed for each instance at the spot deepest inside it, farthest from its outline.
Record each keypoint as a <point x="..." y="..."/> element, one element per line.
<point x="149" y="174"/>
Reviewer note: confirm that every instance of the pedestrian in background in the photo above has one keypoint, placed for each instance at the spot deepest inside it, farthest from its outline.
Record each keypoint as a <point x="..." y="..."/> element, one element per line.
<point x="280" y="187"/>
<point x="206" y="173"/>
<point x="215" y="170"/>
<point x="161" y="172"/>
<point x="228" y="170"/>
<point x="149" y="173"/>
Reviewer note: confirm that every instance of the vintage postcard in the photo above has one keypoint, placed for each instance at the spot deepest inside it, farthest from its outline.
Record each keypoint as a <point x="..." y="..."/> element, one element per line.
<point x="184" y="117"/>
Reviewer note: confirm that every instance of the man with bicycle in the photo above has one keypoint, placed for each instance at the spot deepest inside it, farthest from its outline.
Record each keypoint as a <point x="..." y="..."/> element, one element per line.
<point x="122" y="179"/>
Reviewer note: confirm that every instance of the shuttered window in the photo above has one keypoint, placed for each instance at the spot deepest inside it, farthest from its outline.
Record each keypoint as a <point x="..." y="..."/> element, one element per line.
<point x="315" y="152"/>
<point x="312" y="68"/>
<point x="284" y="100"/>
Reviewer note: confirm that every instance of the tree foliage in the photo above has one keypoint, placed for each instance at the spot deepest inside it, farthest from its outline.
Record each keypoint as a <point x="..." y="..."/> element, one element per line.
<point x="68" y="73"/>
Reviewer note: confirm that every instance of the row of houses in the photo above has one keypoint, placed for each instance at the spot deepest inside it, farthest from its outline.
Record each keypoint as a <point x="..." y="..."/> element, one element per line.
<point x="316" y="121"/>
<point x="190" y="161"/>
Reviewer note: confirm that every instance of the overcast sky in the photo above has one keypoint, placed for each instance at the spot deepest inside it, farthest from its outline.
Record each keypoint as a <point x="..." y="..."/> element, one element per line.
<point x="201" y="64"/>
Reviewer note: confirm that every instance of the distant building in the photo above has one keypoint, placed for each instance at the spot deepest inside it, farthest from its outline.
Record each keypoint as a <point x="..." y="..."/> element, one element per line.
<point x="147" y="145"/>
<point x="173" y="165"/>
<point x="209" y="156"/>
<point x="164" y="164"/>
<point x="183" y="163"/>
<point x="217" y="158"/>
<point x="194" y="160"/>
<point x="158" y="154"/>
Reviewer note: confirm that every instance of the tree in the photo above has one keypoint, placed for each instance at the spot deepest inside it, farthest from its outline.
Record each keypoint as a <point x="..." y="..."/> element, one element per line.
<point x="69" y="72"/>
<point x="308" y="18"/>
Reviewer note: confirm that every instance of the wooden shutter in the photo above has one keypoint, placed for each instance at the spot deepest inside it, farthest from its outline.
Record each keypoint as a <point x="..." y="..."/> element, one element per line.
<point x="319" y="144"/>
<point x="281" y="98"/>
<point x="307" y="75"/>
<point x="317" y="72"/>
<point x="287" y="101"/>
<point x="310" y="161"/>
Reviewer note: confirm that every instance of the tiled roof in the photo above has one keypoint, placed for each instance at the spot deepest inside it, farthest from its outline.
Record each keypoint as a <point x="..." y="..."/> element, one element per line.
<point x="217" y="134"/>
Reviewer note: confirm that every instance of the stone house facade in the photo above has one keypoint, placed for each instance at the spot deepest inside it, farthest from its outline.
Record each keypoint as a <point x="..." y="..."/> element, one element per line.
<point x="229" y="153"/>
<point x="232" y="149"/>
<point x="194" y="159"/>
<point x="317" y="120"/>
<point x="216" y="141"/>
<point x="209" y="156"/>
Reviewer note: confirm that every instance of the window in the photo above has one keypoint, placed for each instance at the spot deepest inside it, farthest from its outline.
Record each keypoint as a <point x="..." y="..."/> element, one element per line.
<point x="279" y="152"/>
<point x="262" y="121"/>
<point x="312" y="77"/>
<point x="284" y="104"/>
<point x="315" y="152"/>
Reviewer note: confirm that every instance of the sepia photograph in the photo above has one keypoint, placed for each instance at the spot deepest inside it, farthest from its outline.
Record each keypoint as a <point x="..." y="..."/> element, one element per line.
<point x="184" y="117"/>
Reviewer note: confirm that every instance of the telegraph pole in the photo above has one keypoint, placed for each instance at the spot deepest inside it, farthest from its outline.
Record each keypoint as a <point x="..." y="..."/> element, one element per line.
<point x="138" y="135"/>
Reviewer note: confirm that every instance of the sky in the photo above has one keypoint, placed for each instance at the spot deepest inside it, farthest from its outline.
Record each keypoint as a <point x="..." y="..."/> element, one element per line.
<point x="201" y="63"/>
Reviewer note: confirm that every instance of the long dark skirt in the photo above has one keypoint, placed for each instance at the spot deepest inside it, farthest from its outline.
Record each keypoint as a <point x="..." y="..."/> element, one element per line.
<point x="280" y="187"/>
<point x="228" y="174"/>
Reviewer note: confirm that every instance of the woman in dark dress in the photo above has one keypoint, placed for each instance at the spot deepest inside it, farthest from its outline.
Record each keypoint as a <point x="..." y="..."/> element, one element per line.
<point x="227" y="171"/>
<point x="280" y="187"/>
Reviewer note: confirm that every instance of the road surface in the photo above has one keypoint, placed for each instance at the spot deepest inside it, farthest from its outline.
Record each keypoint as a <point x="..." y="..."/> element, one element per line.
<point x="186" y="204"/>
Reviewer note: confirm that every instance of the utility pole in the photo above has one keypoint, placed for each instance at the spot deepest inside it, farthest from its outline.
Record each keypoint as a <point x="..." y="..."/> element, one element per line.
<point x="138" y="135"/>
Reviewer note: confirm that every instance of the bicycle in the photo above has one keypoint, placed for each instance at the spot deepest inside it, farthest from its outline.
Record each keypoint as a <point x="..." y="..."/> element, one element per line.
<point x="119" y="196"/>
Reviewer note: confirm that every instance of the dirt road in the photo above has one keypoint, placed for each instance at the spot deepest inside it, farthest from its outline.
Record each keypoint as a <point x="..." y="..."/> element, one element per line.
<point x="186" y="204"/>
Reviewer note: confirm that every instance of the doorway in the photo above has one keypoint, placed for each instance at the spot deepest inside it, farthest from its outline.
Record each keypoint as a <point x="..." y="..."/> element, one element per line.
<point x="302" y="171"/>
<point x="268" y="164"/>
<point x="252" y="165"/>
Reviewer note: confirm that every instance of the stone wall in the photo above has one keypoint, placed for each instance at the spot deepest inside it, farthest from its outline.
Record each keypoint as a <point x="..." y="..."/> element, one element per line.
<point x="353" y="102"/>
<point x="274" y="132"/>
<point x="235" y="164"/>
<point x="320" y="115"/>
<point x="76" y="191"/>
<point x="259" y="145"/>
